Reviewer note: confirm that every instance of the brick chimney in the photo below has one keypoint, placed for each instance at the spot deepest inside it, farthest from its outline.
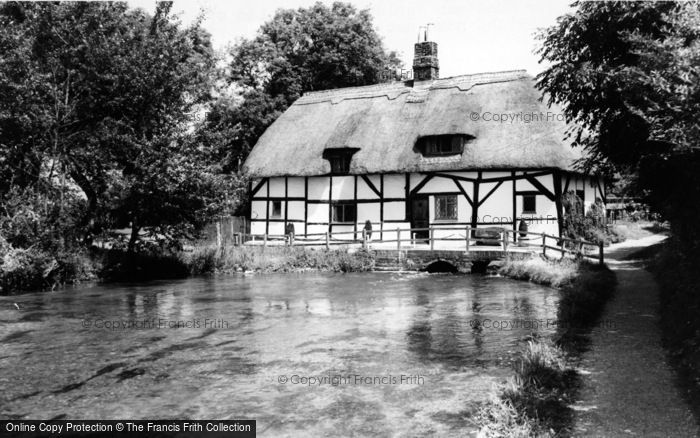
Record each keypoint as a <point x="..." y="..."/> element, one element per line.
<point x="425" y="61"/>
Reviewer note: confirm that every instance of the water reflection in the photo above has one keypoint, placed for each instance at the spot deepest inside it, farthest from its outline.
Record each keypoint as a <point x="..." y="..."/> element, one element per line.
<point x="246" y="331"/>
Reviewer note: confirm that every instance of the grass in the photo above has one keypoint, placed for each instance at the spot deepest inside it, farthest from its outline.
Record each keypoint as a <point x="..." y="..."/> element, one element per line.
<point x="208" y="259"/>
<point x="535" y="401"/>
<point x="628" y="230"/>
<point x="540" y="270"/>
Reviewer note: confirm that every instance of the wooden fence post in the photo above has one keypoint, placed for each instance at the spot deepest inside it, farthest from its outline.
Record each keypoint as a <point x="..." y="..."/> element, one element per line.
<point x="328" y="238"/>
<point x="601" y="254"/>
<point x="364" y="238"/>
<point x="219" y="240"/>
<point x="398" y="239"/>
<point x="562" y="245"/>
<point x="544" y="244"/>
<point x="505" y="241"/>
<point x="467" y="237"/>
<point x="432" y="238"/>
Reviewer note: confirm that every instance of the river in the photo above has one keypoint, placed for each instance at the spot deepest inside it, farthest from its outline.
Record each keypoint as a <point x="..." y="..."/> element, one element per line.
<point x="311" y="354"/>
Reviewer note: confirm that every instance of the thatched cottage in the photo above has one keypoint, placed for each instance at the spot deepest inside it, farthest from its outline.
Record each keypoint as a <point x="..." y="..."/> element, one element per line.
<point x="479" y="150"/>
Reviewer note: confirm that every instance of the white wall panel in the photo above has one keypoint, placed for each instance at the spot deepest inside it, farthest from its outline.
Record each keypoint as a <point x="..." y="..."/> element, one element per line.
<point x="295" y="187"/>
<point x="295" y="210"/>
<point x="319" y="187"/>
<point x="394" y="186"/>
<point x="394" y="210"/>
<point x="317" y="212"/>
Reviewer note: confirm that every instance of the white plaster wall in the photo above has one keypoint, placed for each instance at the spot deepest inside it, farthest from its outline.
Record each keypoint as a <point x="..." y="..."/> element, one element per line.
<point x="317" y="212"/>
<point x="258" y="209"/>
<point x="364" y="191"/>
<point x="435" y="185"/>
<point x="394" y="186"/>
<point x="368" y="211"/>
<point x="394" y="210"/>
<point x="295" y="187"/>
<point x="499" y="206"/>
<point x="343" y="187"/>
<point x="257" y="227"/>
<point x="315" y="229"/>
<point x="276" y="229"/>
<point x="277" y="187"/>
<point x="295" y="210"/>
<point x="319" y="187"/>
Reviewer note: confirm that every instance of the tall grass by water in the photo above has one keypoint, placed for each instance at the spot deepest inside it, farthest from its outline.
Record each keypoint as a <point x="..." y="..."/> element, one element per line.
<point x="209" y="259"/>
<point x="534" y="402"/>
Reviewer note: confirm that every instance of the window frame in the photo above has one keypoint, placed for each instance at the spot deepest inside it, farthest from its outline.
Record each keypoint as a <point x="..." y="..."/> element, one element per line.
<point x="444" y="145"/>
<point x="534" y="203"/>
<point x="448" y="199"/>
<point x="272" y="209"/>
<point x="344" y="207"/>
<point x="339" y="159"/>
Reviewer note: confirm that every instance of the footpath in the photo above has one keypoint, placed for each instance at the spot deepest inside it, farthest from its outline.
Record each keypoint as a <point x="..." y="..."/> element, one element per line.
<point x="629" y="388"/>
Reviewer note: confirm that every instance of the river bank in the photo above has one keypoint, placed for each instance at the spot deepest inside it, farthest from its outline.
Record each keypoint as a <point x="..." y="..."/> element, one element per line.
<point x="536" y="400"/>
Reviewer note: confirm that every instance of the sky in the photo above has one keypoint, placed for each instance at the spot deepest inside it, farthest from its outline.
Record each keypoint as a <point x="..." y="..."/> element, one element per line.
<point x="472" y="36"/>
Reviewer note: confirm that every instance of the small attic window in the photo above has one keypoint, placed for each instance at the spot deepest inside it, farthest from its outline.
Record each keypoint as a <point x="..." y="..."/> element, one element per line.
<point x="339" y="159"/>
<point x="442" y="145"/>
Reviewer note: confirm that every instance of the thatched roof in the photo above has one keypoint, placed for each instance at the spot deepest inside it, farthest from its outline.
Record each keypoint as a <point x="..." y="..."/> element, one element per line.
<point x="385" y="120"/>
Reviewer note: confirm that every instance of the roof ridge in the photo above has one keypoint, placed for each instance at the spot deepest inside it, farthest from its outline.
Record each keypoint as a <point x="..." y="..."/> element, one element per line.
<point x="392" y="90"/>
<point x="401" y="84"/>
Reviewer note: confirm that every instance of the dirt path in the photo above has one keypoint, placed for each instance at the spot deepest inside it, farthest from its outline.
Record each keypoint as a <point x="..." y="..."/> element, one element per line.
<point x="628" y="386"/>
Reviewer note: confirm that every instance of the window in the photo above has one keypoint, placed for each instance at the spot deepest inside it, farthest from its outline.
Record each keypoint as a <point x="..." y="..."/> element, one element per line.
<point x="442" y="145"/>
<point x="344" y="212"/>
<point x="276" y="209"/>
<point x="339" y="159"/>
<point x="446" y="207"/>
<point x="529" y="204"/>
<point x="340" y="165"/>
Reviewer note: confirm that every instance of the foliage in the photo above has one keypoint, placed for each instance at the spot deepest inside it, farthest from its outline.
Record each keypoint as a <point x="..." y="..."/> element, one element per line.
<point x="100" y="97"/>
<point x="555" y="273"/>
<point x="678" y="276"/>
<point x="591" y="226"/>
<point x="298" y="50"/>
<point x="533" y="402"/>
<point x="276" y="259"/>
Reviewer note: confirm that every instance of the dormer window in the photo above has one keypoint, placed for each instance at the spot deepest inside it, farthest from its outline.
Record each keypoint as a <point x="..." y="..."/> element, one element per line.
<point x="340" y="159"/>
<point x="442" y="145"/>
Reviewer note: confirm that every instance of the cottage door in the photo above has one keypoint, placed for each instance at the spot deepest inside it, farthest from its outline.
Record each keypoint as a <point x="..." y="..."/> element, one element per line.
<point x="419" y="215"/>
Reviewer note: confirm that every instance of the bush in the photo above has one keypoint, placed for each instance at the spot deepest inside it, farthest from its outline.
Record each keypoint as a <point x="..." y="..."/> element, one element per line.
<point x="276" y="259"/>
<point x="33" y="269"/>
<point x="591" y="226"/>
<point x="119" y="265"/>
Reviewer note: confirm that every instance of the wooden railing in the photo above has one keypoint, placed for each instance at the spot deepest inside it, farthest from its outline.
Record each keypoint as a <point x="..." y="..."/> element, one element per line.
<point x="475" y="239"/>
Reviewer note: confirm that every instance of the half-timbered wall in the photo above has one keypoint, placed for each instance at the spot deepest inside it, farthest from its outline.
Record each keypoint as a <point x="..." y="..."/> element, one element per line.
<point x="484" y="199"/>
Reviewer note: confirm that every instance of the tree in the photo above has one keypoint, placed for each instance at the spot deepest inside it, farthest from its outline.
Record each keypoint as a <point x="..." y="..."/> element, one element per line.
<point x="628" y="73"/>
<point x="298" y="50"/>
<point x="620" y="71"/>
<point x="104" y="96"/>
